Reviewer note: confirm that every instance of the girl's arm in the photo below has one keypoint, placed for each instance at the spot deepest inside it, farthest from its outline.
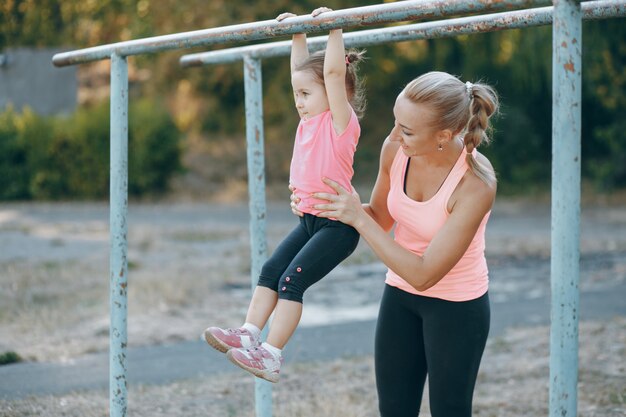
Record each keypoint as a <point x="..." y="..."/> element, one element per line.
<point x="299" y="49"/>
<point x="446" y="248"/>
<point x="335" y="77"/>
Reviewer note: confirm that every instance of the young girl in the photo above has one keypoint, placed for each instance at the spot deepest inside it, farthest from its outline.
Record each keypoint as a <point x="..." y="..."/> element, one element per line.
<point x="328" y="97"/>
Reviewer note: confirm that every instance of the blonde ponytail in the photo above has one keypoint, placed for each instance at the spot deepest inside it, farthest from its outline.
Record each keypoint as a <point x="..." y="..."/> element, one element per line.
<point x="483" y="104"/>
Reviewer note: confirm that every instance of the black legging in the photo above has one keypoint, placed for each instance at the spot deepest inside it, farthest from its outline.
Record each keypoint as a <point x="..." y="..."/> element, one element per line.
<point x="418" y="336"/>
<point x="313" y="249"/>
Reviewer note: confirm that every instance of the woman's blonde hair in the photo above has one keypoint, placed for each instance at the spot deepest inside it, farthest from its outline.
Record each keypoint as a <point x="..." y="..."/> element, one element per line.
<point x="463" y="108"/>
<point x="314" y="63"/>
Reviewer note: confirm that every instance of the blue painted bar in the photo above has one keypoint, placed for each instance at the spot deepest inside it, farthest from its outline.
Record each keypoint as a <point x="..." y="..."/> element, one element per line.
<point x="566" y="154"/>
<point x="118" y="338"/>
<point x="345" y="18"/>
<point x="253" y="87"/>
<point x="592" y="10"/>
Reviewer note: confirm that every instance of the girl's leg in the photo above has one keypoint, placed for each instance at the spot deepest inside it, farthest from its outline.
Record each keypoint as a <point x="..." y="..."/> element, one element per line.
<point x="330" y="244"/>
<point x="265" y="295"/>
<point x="264" y="298"/>
<point x="455" y="335"/>
<point x="400" y="360"/>
<point x="261" y="306"/>
<point x="285" y="322"/>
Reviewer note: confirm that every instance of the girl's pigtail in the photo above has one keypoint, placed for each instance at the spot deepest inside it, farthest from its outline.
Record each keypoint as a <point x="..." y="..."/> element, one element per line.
<point x="354" y="85"/>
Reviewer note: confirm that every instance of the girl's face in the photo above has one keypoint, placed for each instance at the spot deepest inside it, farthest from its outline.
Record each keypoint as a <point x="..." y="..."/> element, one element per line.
<point x="309" y="94"/>
<point x="413" y="127"/>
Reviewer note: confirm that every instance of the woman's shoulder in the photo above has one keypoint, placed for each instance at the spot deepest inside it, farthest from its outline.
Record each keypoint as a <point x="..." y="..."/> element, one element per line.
<point x="388" y="153"/>
<point x="483" y="160"/>
<point x="473" y="187"/>
<point x="390" y="148"/>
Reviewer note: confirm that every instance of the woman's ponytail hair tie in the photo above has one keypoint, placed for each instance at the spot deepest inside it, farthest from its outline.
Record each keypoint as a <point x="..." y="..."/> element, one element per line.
<point x="469" y="87"/>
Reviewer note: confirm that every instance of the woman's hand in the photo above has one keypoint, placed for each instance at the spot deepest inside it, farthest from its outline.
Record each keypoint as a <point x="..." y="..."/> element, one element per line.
<point x="344" y="206"/>
<point x="284" y="16"/>
<point x="294" y="202"/>
<point x="319" y="11"/>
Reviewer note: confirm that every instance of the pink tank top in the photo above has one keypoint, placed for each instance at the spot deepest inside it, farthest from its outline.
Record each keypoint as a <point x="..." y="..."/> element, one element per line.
<point x="417" y="223"/>
<point x="319" y="152"/>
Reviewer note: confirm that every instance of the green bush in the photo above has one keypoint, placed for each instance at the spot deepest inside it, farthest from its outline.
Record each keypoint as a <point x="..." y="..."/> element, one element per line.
<point x="14" y="176"/>
<point x="154" y="148"/>
<point x="10" y="357"/>
<point x="51" y="158"/>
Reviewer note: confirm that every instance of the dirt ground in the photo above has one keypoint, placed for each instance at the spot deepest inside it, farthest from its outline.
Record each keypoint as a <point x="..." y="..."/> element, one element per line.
<point x="189" y="267"/>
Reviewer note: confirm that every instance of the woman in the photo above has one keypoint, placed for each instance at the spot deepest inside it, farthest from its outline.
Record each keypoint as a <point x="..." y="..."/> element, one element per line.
<point x="438" y="191"/>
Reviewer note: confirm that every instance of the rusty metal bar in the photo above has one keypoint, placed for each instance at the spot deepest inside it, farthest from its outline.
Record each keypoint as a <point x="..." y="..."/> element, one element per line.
<point x="592" y="10"/>
<point x="346" y="18"/>
<point x="258" y="212"/>
<point x="565" y="240"/>
<point x="118" y="339"/>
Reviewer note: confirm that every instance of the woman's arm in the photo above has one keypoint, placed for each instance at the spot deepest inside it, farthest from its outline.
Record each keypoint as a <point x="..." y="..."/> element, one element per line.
<point x="445" y="250"/>
<point x="377" y="207"/>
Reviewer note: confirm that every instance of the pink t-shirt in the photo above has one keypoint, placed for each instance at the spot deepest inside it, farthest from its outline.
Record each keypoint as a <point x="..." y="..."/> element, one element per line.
<point x="319" y="152"/>
<point x="417" y="223"/>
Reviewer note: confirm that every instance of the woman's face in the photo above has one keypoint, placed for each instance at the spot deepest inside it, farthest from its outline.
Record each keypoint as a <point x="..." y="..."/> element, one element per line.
<point x="413" y="127"/>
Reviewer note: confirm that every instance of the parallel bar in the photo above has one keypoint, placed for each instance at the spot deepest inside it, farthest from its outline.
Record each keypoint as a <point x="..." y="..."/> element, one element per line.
<point x="430" y="30"/>
<point x="256" y="187"/>
<point x="566" y="154"/>
<point x="346" y="18"/>
<point x="118" y="339"/>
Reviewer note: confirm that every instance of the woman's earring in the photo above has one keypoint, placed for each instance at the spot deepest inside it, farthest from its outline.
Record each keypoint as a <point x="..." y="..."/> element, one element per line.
<point x="440" y="147"/>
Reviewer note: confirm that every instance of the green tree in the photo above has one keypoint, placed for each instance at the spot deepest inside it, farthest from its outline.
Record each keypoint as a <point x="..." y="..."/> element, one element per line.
<point x="517" y="62"/>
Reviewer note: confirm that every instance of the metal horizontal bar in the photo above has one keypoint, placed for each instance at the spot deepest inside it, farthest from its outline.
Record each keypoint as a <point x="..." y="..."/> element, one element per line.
<point x="438" y="29"/>
<point x="346" y="18"/>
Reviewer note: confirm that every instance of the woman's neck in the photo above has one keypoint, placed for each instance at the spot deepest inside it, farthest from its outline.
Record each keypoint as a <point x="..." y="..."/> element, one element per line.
<point x="444" y="158"/>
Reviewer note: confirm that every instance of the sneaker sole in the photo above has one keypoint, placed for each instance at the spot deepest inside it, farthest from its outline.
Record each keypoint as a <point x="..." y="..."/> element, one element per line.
<point x="271" y="377"/>
<point x="216" y="343"/>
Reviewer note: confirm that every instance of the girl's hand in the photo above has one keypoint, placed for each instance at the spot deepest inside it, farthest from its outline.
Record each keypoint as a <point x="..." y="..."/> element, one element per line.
<point x="344" y="206"/>
<point x="319" y="11"/>
<point x="284" y="16"/>
<point x="294" y="202"/>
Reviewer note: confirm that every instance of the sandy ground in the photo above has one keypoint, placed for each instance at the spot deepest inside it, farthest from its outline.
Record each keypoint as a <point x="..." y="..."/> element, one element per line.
<point x="513" y="382"/>
<point x="189" y="267"/>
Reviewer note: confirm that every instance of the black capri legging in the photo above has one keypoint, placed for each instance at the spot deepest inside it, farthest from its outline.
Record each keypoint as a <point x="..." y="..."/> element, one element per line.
<point x="418" y="336"/>
<point x="313" y="249"/>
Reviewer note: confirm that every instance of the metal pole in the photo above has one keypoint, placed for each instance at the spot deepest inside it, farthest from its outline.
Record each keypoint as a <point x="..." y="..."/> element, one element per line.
<point x="256" y="186"/>
<point x="566" y="154"/>
<point x="358" y="16"/>
<point x="118" y="339"/>
<point x="428" y="30"/>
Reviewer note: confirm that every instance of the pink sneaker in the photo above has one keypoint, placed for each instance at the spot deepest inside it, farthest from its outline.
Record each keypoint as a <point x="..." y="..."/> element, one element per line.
<point x="258" y="361"/>
<point x="226" y="339"/>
